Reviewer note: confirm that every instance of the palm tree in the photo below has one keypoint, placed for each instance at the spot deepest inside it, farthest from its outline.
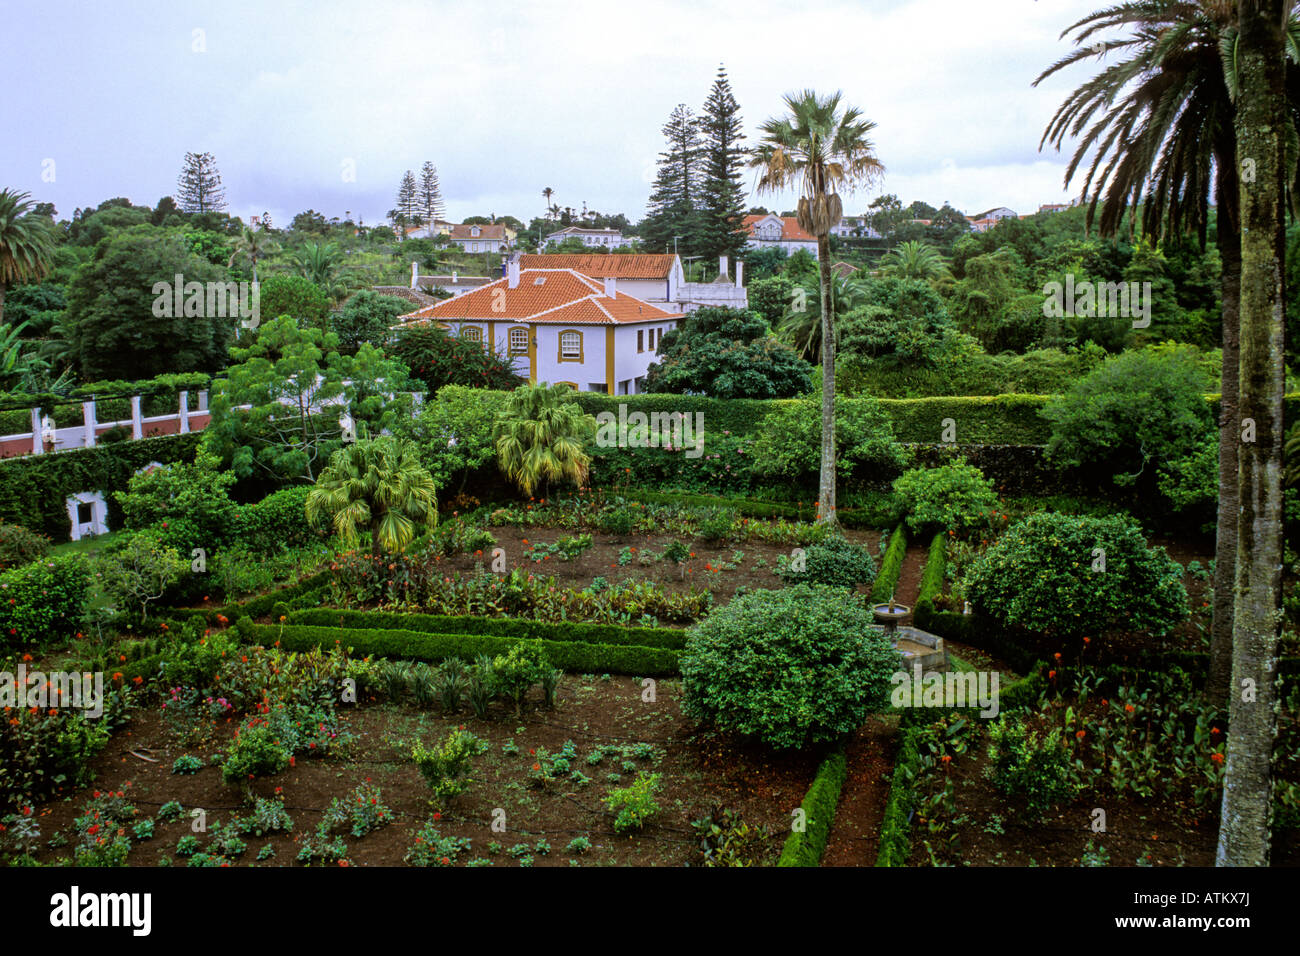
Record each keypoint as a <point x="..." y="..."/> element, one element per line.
<point x="319" y="262"/>
<point x="26" y="245"/>
<point x="1159" y="123"/>
<point x="376" y="485"/>
<point x="914" y="260"/>
<point x="540" y="437"/>
<point x="253" y="245"/>
<point x="819" y="149"/>
<point x="801" y="326"/>
<point x="547" y="193"/>
<point x="1265" y="134"/>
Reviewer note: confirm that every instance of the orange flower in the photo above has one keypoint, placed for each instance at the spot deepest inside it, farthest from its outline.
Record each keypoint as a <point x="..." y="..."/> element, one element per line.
<point x="1081" y="734"/>
<point x="1129" y="708"/>
<point x="1217" y="758"/>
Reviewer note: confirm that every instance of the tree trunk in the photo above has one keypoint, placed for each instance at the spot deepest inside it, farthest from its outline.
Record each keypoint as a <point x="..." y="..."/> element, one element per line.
<point x="1260" y="123"/>
<point x="1225" y="547"/>
<point x="2" y="302"/>
<point x="826" y="487"/>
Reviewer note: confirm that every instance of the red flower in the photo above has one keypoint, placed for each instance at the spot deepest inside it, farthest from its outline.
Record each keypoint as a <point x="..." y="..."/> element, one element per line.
<point x="1217" y="758"/>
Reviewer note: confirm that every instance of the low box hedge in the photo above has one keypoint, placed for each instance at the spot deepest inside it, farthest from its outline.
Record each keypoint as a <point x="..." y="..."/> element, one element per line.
<point x="891" y="565"/>
<point x="573" y="656"/>
<point x="495" y="626"/>
<point x="819" y="805"/>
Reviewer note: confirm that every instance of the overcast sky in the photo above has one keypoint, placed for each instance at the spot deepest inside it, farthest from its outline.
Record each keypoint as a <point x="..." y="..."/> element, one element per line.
<point x="104" y="99"/>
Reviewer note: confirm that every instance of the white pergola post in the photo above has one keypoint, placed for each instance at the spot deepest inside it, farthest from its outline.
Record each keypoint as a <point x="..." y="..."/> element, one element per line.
<point x="88" y="422"/>
<point x="37" y="447"/>
<point x="137" y="425"/>
<point x="185" y="413"/>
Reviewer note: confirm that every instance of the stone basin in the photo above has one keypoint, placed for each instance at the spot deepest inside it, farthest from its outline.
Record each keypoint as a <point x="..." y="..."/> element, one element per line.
<point x="890" y="617"/>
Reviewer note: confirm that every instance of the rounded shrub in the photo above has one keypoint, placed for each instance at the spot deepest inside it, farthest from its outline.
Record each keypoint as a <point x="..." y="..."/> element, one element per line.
<point x="277" y="521"/>
<point x="834" y="562"/>
<point x="43" y="601"/>
<point x="952" y="497"/>
<point x="18" y="546"/>
<point x="1075" y="575"/>
<point x="798" y="666"/>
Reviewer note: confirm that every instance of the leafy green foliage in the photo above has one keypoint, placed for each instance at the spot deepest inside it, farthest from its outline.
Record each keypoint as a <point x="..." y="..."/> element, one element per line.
<point x="193" y="496"/>
<point x="139" y="571"/>
<point x="952" y="497"/>
<point x="453" y="433"/>
<point x="43" y="601"/>
<point x="541" y="438"/>
<point x="635" y="804"/>
<point x="255" y="752"/>
<point x="18" y="546"/>
<point x="446" y="767"/>
<point x="295" y="296"/>
<point x="1037" y="767"/>
<point x="368" y="317"/>
<point x="794" y="667"/>
<point x="833" y="562"/>
<point x="727" y="353"/>
<point x="1044" y="573"/>
<point x="438" y="359"/>
<point x="376" y="486"/>
<point x="789" y="444"/>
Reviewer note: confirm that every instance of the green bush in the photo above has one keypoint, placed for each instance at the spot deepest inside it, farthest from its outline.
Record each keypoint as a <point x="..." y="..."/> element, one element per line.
<point x="891" y="566"/>
<point x="255" y="752"/>
<point x="635" y="804"/>
<point x="276" y="522"/>
<point x="18" y="546"/>
<point x="1045" y="573"/>
<point x="806" y="847"/>
<point x="43" y="601"/>
<point x="794" y="667"/>
<point x="1037" y="767"/>
<point x="952" y="497"/>
<point x="447" y="766"/>
<point x="788" y="446"/>
<point x="196" y="494"/>
<point x="833" y="562"/>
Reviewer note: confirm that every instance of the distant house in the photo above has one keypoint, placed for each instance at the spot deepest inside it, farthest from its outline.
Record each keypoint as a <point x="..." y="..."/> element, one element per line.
<point x="560" y="326"/>
<point x="454" y="284"/>
<point x="1053" y="207"/>
<point x="595" y="238"/>
<point x="778" y="232"/>
<point x="656" y="278"/>
<point x="485" y="237"/>
<point x="854" y="227"/>
<point x="843" y="270"/>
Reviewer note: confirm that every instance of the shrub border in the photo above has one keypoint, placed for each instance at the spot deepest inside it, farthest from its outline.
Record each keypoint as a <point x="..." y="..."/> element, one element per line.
<point x="891" y="566"/>
<point x="819" y="806"/>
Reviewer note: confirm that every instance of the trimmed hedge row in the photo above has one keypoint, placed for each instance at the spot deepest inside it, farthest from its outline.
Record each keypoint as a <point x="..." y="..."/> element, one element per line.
<point x="566" y="631"/>
<point x="34" y="488"/>
<point x="750" y="508"/>
<point x="259" y="606"/>
<point x="823" y="797"/>
<point x="573" y="656"/>
<point x="891" y="565"/>
<point x="936" y="563"/>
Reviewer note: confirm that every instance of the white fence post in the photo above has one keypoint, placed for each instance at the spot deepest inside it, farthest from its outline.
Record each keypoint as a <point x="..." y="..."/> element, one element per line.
<point x="88" y="422"/>
<point x="37" y="447"/>
<point x="185" y="413"/>
<point x="137" y="426"/>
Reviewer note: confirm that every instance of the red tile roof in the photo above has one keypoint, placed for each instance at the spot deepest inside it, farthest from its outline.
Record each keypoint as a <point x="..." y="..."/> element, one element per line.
<point x="618" y="265"/>
<point x="543" y="295"/>
<point x="790" y="230"/>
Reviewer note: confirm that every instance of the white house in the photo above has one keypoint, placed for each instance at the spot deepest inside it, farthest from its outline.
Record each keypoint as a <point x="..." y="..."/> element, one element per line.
<point x="560" y="326"/>
<point x="854" y="227"/>
<point x="656" y="278"/>
<point x="484" y="237"/>
<point x="779" y="232"/>
<point x="594" y="238"/>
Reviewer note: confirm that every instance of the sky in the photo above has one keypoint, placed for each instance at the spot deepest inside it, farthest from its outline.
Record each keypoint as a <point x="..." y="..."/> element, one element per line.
<point x="325" y="104"/>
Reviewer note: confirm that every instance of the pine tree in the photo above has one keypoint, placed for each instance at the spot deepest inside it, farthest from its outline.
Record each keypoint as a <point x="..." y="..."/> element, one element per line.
<point x="407" y="204"/>
<point x="722" y="194"/>
<point x="674" y="211"/>
<point x="199" y="186"/>
<point x="430" y="194"/>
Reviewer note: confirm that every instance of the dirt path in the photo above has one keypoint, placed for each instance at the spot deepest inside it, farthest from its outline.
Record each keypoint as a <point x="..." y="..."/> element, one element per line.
<point x="855" y="836"/>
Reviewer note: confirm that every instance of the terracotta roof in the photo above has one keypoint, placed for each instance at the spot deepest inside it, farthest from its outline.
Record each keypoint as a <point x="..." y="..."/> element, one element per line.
<point x="790" y="230"/>
<point x="543" y="295"/>
<point x="618" y="265"/>
<point x="486" y="231"/>
<point x="843" y="269"/>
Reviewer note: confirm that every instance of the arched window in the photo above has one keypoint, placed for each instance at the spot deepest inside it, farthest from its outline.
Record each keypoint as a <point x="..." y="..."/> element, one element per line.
<point x="518" y="340"/>
<point x="570" y="346"/>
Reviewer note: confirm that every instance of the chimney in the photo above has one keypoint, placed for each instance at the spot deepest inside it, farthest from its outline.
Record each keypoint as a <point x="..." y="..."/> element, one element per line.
<point x="415" y="275"/>
<point x="512" y="273"/>
<point x="722" y="266"/>
<point x="740" y="273"/>
<point x="610" y="287"/>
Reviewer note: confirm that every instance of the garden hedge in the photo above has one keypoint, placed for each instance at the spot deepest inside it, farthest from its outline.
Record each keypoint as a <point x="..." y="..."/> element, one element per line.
<point x="752" y="508"/>
<point x="565" y="631"/>
<point x="34" y="488"/>
<point x="936" y="563"/>
<point x="262" y="605"/>
<point x="891" y="565"/>
<point x="573" y="656"/>
<point x="819" y="805"/>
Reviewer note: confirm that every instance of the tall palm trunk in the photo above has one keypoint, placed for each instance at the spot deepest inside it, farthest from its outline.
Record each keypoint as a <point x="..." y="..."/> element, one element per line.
<point x="2" y="302"/>
<point x="1225" y="547"/>
<point x="1261" y="123"/>
<point x="826" y="489"/>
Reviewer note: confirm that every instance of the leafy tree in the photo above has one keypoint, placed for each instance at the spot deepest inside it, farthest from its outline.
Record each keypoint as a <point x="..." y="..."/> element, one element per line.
<point x="914" y="260"/>
<point x="26" y="242"/>
<point x="112" y="323"/>
<point x="93" y="228"/>
<point x="368" y="317"/>
<point x="886" y="214"/>
<point x="722" y="192"/>
<point x="139" y="571"/>
<point x="801" y="325"/>
<point x="297" y="387"/>
<point x="788" y="447"/>
<point x="453" y="434"/>
<point x="198" y="188"/>
<point x="294" y="296"/>
<point x="36" y="306"/>
<point x="195" y="495"/>
<point x="376" y="486"/>
<point x="727" y="353"/>
<point x="952" y="497"/>
<point x="822" y="150"/>
<point x="1131" y="416"/>
<point x="896" y="322"/>
<point x="764" y="262"/>
<point x="792" y="668"/>
<point x="673" y="220"/>
<point x="770" y="298"/>
<point x="321" y="263"/>
<point x="541" y="438"/>
<point x="253" y="245"/>
<point x="164" y="211"/>
<point x="436" y="359"/>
